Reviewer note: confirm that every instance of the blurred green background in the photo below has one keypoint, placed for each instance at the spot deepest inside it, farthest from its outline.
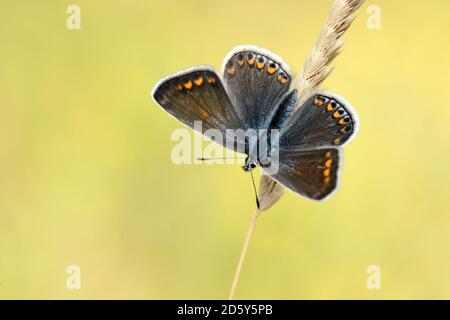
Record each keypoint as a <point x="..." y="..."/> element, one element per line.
<point x="86" y="176"/>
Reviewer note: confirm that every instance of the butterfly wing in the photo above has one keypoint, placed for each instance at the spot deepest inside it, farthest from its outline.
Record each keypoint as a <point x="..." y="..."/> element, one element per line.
<point x="198" y="94"/>
<point x="257" y="82"/>
<point x="309" y="145"/>
<point x="311" y="173"/>
<point x="323" y="120"/>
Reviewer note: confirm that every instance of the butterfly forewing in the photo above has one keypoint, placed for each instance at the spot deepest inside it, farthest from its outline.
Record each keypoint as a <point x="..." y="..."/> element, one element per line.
<point x="256" y="82"/>
<point x="198" y="95"/>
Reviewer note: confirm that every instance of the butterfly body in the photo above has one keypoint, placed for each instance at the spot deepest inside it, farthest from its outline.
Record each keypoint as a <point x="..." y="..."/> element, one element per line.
<point x="253" y="105"/>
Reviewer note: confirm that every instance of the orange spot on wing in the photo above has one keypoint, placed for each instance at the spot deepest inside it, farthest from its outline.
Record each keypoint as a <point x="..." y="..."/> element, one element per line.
<point x="240" y="59"/>
<point x="203" y="113"/>
<point x="326" y="172"/>
<point x="319" y="101"/>
<point x="231" y="70"/>
<point x="282" y="78"/>
<point x="271" y="69"/>
<point x="330" y="107"/>
<point x="326" y="180"/>
<point x="179" y="87"/>
<point x="188" y="85"/>
<point x="211" y="80"/>
<point x="260" y="65"/>
<point x="346" y="129"/>
<point x="328" y="163"/>
<point x="198" y="82"/>
<point x="337" y="141"/>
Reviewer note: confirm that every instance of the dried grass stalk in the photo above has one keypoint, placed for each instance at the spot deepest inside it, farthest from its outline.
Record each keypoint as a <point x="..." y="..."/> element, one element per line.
<point x="326" y="49"/>
<point x="269" y="192"/>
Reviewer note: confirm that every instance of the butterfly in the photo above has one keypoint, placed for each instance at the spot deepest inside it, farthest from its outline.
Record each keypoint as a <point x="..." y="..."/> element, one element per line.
<point x="254" y="91"/>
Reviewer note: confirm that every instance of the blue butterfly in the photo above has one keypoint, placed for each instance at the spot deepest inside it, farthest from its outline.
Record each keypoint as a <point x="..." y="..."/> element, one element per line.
<point x="254" y="92"/>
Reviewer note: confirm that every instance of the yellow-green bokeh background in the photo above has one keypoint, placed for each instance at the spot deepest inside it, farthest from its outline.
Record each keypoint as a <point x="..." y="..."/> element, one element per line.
<point x="86" y="176"/>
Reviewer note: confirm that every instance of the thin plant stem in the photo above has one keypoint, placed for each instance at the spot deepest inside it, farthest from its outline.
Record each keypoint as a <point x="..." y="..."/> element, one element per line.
<point x="243" y="254"/>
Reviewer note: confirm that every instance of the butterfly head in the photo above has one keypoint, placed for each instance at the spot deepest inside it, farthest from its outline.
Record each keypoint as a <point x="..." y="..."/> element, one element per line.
<point x="250" y="164"/>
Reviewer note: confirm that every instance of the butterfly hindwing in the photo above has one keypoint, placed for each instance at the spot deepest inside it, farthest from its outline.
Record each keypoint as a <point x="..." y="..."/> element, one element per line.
<point x="197" y="95"/>
<point x="254" y="93"/>
<point x="321" y="121"/>
<point x="256" y="82"/>
<point x="311" y="173"/>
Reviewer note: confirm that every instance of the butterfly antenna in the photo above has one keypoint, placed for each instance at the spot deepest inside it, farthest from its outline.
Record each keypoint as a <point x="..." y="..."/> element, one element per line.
<point x="254" y="189"/>
<point x="220" y="158"/>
